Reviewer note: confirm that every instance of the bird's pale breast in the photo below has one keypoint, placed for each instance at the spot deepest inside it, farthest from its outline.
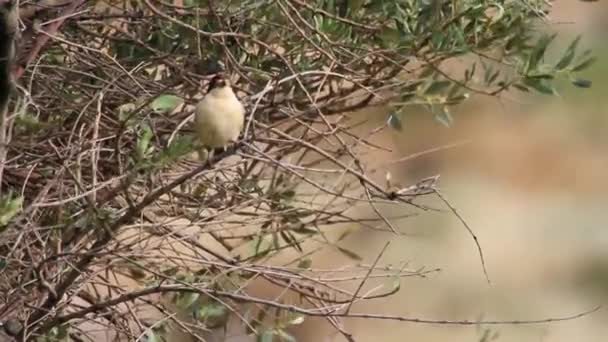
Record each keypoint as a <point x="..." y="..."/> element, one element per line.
<point x="219" y="119"/>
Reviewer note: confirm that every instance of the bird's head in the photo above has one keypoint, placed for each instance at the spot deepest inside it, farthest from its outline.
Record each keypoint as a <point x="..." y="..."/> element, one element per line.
<point x="218" y="81"/>
<point x="220" y="87"/>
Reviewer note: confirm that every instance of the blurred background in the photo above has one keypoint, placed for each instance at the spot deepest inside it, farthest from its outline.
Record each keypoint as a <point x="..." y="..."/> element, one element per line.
<point x="529" y="175"/>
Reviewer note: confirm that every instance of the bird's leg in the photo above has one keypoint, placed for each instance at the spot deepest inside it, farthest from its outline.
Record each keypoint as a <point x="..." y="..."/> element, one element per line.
<point x="205" y="154"/>
<point x="210" y="157"/>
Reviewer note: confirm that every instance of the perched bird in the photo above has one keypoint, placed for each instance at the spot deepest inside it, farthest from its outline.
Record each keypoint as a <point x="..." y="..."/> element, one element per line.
<point x="219" y="116"/>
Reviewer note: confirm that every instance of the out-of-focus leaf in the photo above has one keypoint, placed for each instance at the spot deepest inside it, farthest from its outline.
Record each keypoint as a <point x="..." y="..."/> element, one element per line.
<point x="581" y="83"/>
<point x="539" y="51"/>
<point x="184" y="300"/>
<point x="568" y="56"/>
<point x="265" y="336"/>
<point x="10" y="206"/>
<point x="165" y="103"/>
<point x="349" y="253"/>
<point x="584" y="64"/>
<point x="394" y="121"/>
<point x="444" y="116"/>
<point x="305" y="263"/>
<point x="296" y="319"/>
<point x="143" y="143"/>
<point x="540" y="86"/>
<point x="436" y="87"/>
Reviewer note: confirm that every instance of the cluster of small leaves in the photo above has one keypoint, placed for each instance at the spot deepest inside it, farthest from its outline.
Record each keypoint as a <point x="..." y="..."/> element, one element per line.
<point x="102" y="144"/>
<point x="269" y="40"/>
<point x="497" y="36"/>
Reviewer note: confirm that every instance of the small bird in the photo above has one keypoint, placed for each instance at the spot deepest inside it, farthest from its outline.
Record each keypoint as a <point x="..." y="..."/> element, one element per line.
<point x="219" y="117"/>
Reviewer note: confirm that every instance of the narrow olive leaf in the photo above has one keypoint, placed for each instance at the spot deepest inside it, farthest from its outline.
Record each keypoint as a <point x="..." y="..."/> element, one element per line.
<point x="178" y="148"/>
<point x="541" y="76"/>
<point x="291" y="240"/>
<point x="153" y="336"/>
<point x="9" y="207"/>
<point x="165" y="103"/>
<point x="581" y="83"/>
<point x="136" y="272"/>
<point x="469" y="73"/>
<point x="568" y="56"/>
<point x="143" y="143"/>
<point x="444" y="116"/>
<point x="284" y="336"/>
<point x="457" y="99"/>
<point x="521" y="87"/>
<point x="394" y="121"/>
<point x="186" y="299"/>
<point x="437" y="87"/>
<point x="266" y="336"/>
<point x="305" y="264"/>
<point x="296" y="319"/>
<point x="539" y="50"/>
<point x="490" y="79"/>
<point x="349" y="253"/>
<point x="407" y="97"/>
<point x="584" y="64"/>
<point x="540" y="86"/>
<point x="302" y="229"/>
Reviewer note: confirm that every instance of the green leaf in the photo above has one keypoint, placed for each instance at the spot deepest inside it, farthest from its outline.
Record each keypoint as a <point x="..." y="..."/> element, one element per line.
<point x="469" y="73"/>
<point x="291" y="240"/>
<point x="568" y="56"/>
<point x="266" y="336"/>
<point x="179" y="147"/>
<point x="305" y="263"/>
<point x="521" y="87"/>
<point x="302" y="229"/>
<point x="457" y="99"/>
<point x="444" y="116"/>
<point x="296" y="319"/>
<point x="165" y="103"/>
<point x="214" y="314"/>
<point x="437" y="87"/>
<point x="491" y="77"/>
<point x="184" y="300"/>
<point x="285" y="336"/>
<point x="394" y="121"/>
<point x="540" y="86"/>
<point x="9" y="207"/>
<point x="584" y="64"/>
<point x="581" y="83"/>
<point x="355" y="5"/>
<point x="349" y="253"/>
<point x="143" y="143"/>
<point x="539" y="51"/>
<point x="396" y="284"/>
